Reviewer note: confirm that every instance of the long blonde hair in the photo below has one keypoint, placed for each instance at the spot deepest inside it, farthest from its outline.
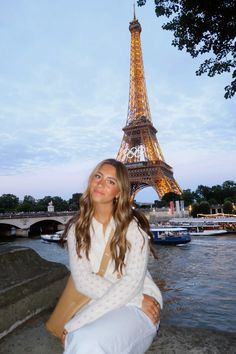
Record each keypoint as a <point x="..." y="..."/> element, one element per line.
<point x="123" y="214"/>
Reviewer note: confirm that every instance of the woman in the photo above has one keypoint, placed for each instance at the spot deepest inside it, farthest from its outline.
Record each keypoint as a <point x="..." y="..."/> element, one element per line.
<point x="123" y="314"/>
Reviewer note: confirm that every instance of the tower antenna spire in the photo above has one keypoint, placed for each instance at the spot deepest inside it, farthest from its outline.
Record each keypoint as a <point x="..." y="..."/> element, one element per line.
<point x="134" y="11"/>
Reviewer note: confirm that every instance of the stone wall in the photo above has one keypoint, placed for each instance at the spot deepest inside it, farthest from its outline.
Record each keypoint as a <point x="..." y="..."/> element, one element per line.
<point x="28" y="285"/>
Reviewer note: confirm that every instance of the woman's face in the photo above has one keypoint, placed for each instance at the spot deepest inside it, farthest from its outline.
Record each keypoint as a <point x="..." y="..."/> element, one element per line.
<point x="104" y="187"/>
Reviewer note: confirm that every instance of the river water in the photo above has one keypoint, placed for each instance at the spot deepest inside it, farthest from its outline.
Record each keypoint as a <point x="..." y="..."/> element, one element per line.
<point x="198" y="280"/>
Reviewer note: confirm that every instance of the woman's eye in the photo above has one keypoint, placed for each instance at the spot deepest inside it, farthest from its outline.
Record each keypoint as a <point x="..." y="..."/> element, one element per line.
<point x="111" y="182"/>
<point x="97" y="176"/>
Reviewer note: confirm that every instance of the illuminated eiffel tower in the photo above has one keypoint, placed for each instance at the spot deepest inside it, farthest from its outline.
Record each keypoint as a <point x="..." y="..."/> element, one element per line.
<point x="139" y="149"/>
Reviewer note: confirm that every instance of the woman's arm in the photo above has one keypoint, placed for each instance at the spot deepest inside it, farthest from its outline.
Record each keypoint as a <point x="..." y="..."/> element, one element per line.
<point x="152" y="289"/>
<point x="121" y="292"/>
<point x="86" y="282"/>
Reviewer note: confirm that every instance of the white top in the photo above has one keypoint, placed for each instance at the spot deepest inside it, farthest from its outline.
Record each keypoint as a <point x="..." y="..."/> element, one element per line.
<point x="110" y="292"/>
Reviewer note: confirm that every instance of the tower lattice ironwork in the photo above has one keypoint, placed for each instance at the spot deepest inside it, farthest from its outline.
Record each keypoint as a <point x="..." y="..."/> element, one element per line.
<point x="140" y="150"/>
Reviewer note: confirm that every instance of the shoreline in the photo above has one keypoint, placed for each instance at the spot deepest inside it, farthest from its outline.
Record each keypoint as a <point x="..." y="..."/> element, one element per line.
<point x="37" y="283"/>
<point x="190" y="307"/>
<point x="32" y="337"/>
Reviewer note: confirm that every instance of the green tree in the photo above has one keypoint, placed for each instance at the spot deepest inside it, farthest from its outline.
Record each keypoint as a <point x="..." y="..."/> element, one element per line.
<point x="169" y="197"/>
<point x="212" y="201"/>
<point x="228" y="207"/>
<point x="28" y="204"/>
<point x="195" y="210"/>
<point x="203" y="193"/>
<point x="204" y="208"/>
<point x="217" y="193"/>
<point x="8" y="203"/>
<point x="188" y="196"/>
<point x="159" y="203"/>
<point x="60" y="204"/>
<point x="202" y="27"/>
<point x="229" y="185"/>
<point x="74" y="201"/>
<point x="42" y="204"/>
<point x="229" y="190"/>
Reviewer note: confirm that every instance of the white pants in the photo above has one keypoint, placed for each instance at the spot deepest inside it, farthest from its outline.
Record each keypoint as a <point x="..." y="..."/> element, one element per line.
<point x="126" y="330"/>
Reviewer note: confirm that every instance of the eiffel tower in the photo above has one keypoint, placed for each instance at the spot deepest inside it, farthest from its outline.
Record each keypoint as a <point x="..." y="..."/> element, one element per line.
<point x="139" y="149"/>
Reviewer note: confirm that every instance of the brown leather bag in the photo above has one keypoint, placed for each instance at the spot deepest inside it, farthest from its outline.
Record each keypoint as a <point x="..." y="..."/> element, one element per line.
<point x="71" y="301"/>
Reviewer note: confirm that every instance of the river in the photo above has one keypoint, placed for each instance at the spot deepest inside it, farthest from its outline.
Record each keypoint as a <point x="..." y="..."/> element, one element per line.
<point x="198" y="280"/>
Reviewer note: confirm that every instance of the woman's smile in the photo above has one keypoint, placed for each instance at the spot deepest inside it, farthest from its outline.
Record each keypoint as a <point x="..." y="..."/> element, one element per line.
<point x="96" y="191"/>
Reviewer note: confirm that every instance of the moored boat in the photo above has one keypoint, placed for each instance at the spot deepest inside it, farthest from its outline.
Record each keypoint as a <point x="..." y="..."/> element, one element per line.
<point x="206" y="232"/>
<point x="171" y="235"/>
<point x="201" y="227"/>
<point x="53" y="237"/>
<point x="205" y="229"/>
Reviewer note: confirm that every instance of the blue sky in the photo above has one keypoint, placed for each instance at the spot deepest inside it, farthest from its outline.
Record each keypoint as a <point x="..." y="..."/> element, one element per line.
<point x="64" y="85"/>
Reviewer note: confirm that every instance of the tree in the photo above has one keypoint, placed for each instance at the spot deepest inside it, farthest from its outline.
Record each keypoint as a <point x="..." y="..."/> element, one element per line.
<point x="218" y="193"/>
<point x="229" y="190"/>
<point x="228" y="207"/>
<point x="195" y="210"/>
<point x="8" y="203"/>
<point x="159" y="203"/>
<point x="28" y="204"/>
<point x="212" y="201"/>
<point x="74" y="201"/>
<point x="204" y="208"/>
<point x="59" y="204"/>
<point x="202" y="27"/>
<point x="203" y="192"/>
<point x="169" y="197"/>
<point x="188" y="197"/>
<point x="42" y="204"/>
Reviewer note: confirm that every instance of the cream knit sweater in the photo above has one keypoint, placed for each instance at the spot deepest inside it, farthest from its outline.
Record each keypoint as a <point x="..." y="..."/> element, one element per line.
<point x="110" y="292"/>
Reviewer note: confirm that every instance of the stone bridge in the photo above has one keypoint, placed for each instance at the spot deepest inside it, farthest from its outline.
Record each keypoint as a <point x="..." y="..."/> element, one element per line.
<point x="23" y="221"/>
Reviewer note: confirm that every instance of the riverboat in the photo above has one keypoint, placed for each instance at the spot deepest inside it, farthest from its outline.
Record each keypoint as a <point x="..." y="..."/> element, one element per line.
<point x="202" y="227"/>
<point x="200" y="231"/>
<point x="171" y="235"/>
<point x="53" y="237"/>
<point x="205" y="229"/>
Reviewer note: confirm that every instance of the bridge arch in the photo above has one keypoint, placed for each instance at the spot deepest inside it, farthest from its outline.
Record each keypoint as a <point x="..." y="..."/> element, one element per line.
<point x="10" y="223"/>
<point x="48" y="226"/>
<point x="8" y="229"/>
<point x="32" y="221"/>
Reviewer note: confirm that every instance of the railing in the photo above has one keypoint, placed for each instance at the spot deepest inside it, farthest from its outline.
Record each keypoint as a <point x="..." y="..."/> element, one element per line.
<point x="35" y="214"/>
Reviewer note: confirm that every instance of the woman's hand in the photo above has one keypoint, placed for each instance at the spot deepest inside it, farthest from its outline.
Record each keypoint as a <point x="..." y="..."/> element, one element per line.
<point x="63" y="337"/>
<point x="151" y="307"/>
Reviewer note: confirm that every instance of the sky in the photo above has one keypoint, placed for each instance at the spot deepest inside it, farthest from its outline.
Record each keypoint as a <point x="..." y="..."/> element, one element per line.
<point x="64" y="87"/>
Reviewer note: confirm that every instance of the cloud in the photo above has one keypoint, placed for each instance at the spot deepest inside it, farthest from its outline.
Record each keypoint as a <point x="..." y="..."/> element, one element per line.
<point x="196" y="121"/>
<point x="51" y="125"/>
<point x="64" y="97"/>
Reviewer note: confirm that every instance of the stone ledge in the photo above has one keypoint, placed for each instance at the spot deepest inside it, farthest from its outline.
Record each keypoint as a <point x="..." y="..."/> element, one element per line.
<point x="33" y="338"/>
<point x="29" y="285"/>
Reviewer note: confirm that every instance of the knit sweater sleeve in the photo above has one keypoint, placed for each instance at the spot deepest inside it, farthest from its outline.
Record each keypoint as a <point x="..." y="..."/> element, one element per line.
<point x="86" y="281"/>
<point x="124" y="289"/>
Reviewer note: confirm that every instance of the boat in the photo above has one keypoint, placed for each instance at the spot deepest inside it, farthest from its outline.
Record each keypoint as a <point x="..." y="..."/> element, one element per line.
<point x="171" y="235"/>
<point x="198" y="227"/>
<point x="200" y="231"/>
<point x="53" y="237"/>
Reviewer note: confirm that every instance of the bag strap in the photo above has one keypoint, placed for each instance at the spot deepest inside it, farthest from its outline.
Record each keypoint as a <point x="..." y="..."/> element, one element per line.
<point x="106" y="256"/>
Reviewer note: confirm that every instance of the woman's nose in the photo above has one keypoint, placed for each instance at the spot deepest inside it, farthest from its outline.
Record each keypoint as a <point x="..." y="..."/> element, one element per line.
<point x="101" y="182"/>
